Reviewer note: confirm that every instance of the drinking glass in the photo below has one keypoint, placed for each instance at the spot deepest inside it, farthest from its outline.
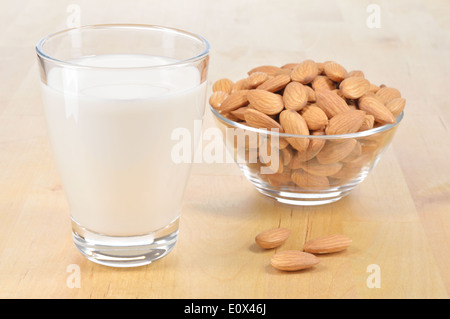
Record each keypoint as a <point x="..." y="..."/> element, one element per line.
<point x="113" y="96"/>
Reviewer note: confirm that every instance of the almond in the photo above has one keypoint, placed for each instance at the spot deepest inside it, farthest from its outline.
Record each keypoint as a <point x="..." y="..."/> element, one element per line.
<point x="387" y="94"/>
<point x="315" y="117"/>
<point x="372" y="105"/>
<point x="239" y="113"/>
<point x="315" y="168"/>
<point x="322" y="82"/>
<point x="314" y="147"/>
<point x="320" y="67"/>
<point x="216" y="99"/>
<point x="286" y="155"/>
<point x="295" y="96"/>
<point x="330" y="102"/>
<point x="293" y="260"/>
<point x="305" y="72"/>
<point x="257" y="78"/>
<point x="355" y="73"/>
<point x="354" y="154"/>
<point x="258" y="119"/>
<point x="224" y="85"/>
<point x="240" y="85"/>
<point x="334" y="71"/>
<point x="283" y="71"/>
<point x="311" y="93"/>
<point x="270" y="70"/>
<point x="396" y="106"/>
<point x="374" y="88"/>
<point x="272" y="238"/>
<point x="279" y="179"/>
<point x="266" y="102"/>
<point x="309" y="181"/>
<point x="231" y="117"/>
<point x="354" y="87"/>
<point x="293" y="123"/>
<point x="289" y="66"/>
<point x="276" y="83"/>
<point x="234" y="101"/>
<point x="345" y="122"/>
<point x="346" y="173"/>
<point x="335" y="150"/>
<point x="327" y="244"/>
<point x="369" y="120"/>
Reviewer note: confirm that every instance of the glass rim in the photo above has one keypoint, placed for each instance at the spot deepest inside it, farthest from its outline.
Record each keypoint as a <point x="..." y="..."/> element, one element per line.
<point x="275" y="132"/>
<point x="40" y="52"/>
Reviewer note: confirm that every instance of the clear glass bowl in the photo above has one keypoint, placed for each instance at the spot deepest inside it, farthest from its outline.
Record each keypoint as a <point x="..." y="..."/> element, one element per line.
<point x="330" y="168"/>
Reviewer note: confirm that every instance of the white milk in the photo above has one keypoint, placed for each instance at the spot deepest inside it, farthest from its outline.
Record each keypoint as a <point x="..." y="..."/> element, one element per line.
<point x="111" y="136"/>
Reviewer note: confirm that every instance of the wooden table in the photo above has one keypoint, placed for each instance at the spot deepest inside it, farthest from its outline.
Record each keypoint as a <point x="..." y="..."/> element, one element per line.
<point x="398" y="218"/>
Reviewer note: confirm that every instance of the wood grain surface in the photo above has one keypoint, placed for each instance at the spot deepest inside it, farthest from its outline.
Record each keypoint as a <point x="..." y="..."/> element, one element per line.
<point x="398" y="218"/>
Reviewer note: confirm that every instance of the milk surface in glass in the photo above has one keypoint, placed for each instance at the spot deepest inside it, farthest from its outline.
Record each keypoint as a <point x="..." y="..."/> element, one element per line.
<point x="111" y="134"/>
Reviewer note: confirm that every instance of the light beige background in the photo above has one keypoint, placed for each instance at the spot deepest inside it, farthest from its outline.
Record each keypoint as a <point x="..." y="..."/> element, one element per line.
<point x="399" y="218"/>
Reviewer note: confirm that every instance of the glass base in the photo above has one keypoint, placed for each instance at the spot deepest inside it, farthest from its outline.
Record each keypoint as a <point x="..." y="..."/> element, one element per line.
<point x="125" y="251"/>
<point x="304" y="199"/>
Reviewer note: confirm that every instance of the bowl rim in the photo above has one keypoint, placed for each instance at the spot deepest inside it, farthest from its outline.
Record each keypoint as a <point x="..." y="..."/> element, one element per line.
<point x="275" y="132"/>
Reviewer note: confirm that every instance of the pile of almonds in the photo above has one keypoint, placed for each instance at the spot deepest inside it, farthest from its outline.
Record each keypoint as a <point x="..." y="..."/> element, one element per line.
<point x="311" y="98"/>
<point x="293" y="260"/>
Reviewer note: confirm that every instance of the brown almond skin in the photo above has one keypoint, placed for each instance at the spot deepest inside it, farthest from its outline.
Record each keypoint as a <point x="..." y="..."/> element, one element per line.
<point x="265" y="101"/>
<point x="258" y="119"/>
<point x="330" y="102"/>
<point x="387" y="94"/>
<point x="355" y="73"/>
<point x="345" y="122"/>
<point x="239" y="113"/>
<point x="241" y="85"/>
<point x="293" y="260"/>
<point x="314" y="147"/>
<point x="270" y="70"/>
<point x="369" y="120"/>
<point x="293" y="123"/>
<point x="272" y="238"/>
<point x="354" y="87"/>
<point x="295" y="96"/>
<point x="396" y="106"/>
<point x="315" y="117"/>
<point x="216" y="99"/>
<point x="224" y="85"/>
<point x="276" y="83"/>
<point x="335" y="151"/>
<point x="309" y="181"/>
<point x="257" y="78"/>
<point x="373" y="105"/>
<point x="305" y="72"/>
<point x="334" y="71"/>
<point x="323" y="82"/>
<point x="234" y="101"/>
<point x="327" y="244"/>
<point x="315" y="168"/>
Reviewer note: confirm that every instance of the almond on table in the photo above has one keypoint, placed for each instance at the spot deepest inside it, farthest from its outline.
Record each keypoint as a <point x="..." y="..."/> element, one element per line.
<point x="272" y="238"/>
<point x="327" y="244"/>
<point x="293" y="260"/>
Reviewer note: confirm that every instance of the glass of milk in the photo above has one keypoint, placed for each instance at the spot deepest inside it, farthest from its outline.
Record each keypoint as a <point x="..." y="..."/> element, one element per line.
<point x="113" y="95"/>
